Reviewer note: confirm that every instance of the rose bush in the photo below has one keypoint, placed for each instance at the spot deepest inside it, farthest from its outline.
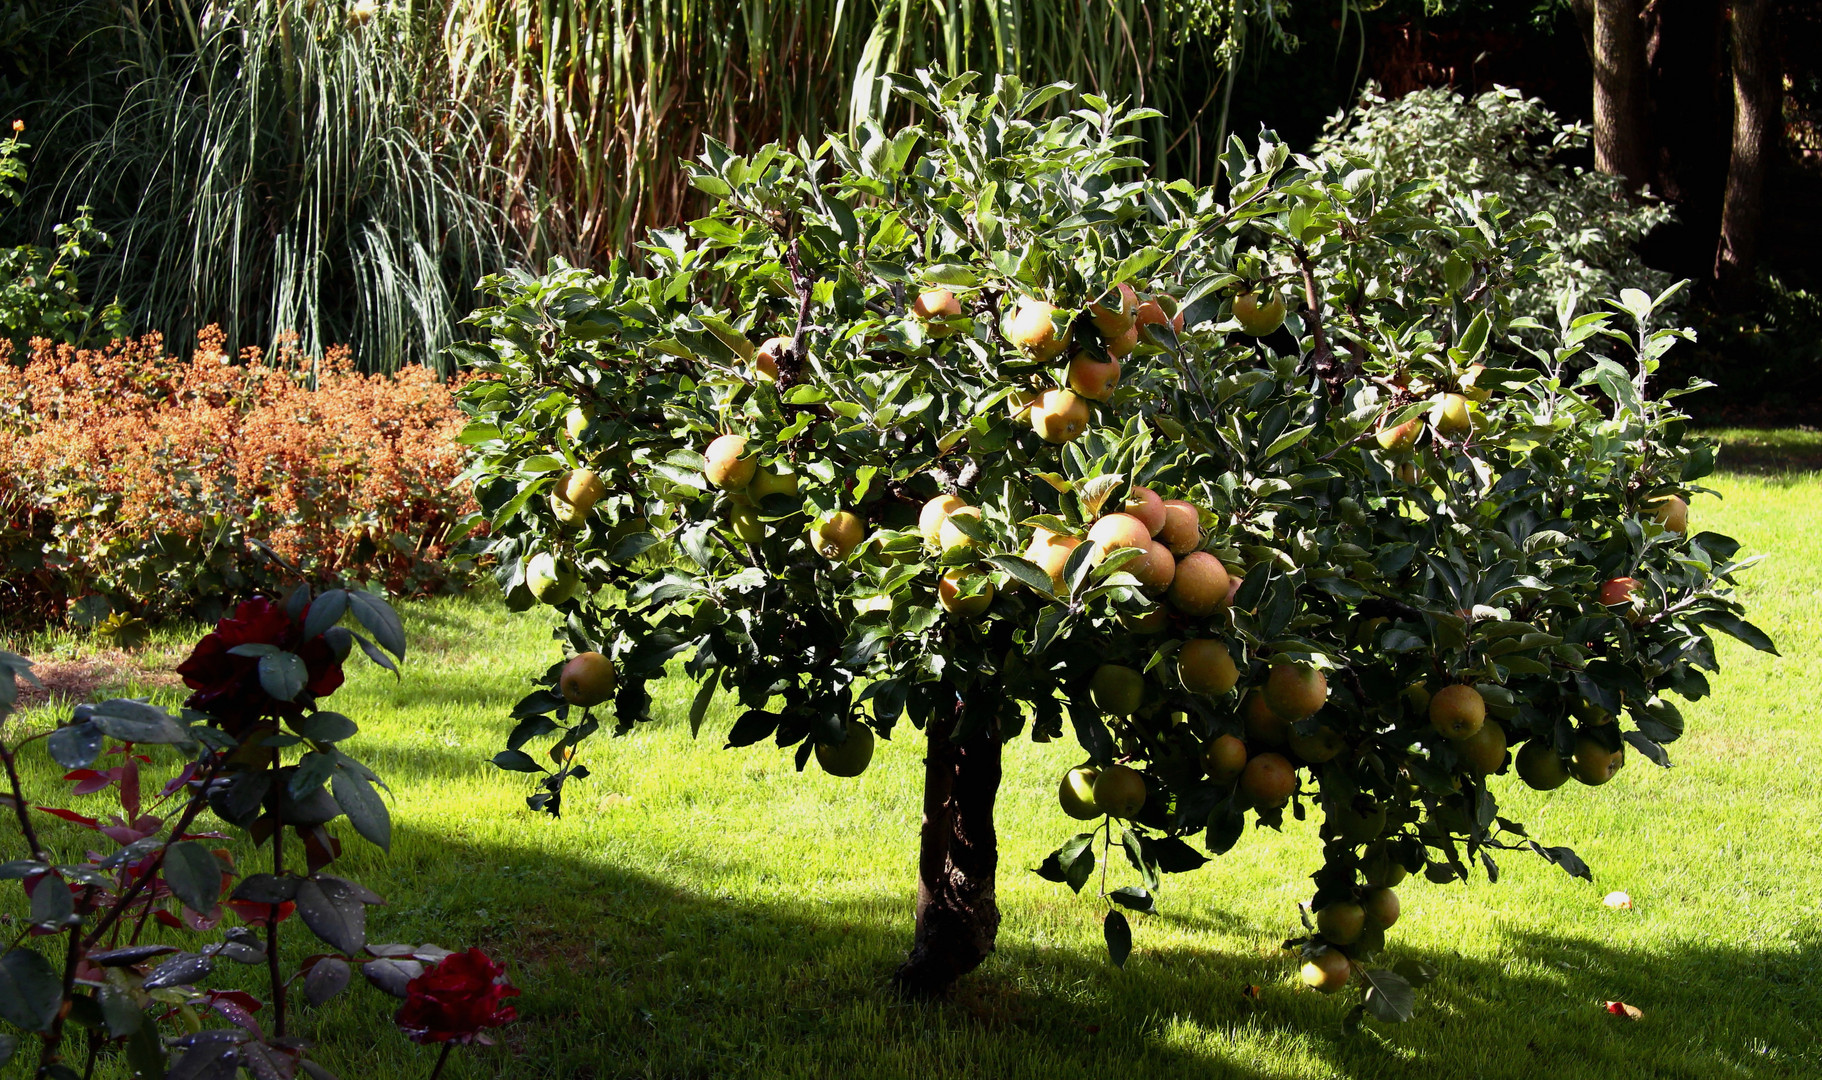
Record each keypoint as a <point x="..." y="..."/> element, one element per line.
<point x="1262" y="494"/>
<point x="252" y="747"/>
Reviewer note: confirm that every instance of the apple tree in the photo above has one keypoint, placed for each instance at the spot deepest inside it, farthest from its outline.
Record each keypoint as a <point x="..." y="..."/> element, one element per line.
<point x="1263" y="494"/>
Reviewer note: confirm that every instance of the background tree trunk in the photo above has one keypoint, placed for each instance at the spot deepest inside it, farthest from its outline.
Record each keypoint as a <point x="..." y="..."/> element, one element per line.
<point x="957" y="916"/>
<point x="1757" y="102"/>
<point x="1621" y="127"/>
<point x="1691" y="115"/>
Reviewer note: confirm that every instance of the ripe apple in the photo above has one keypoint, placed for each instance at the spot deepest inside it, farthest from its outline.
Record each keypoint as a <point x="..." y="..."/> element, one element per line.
<point x="1451" y="416"/>
<point x="1119" y="791"/>
<point x="1152" y="622"/>
<point x="1113" y="313"/>
<point x="852" y="756"/>
<point x="1457" y="711"/>
<point x="1593" y="763"/>
<point x="1156" y="570"/>
<point x="1116" y="531"/>
<point x="1484" y="752"/>
<point x="937" y="304"/>
<point x="1050" y="552"/>
<point x="1206" y="667"/>
<point x="1032" y="327"/>
<point x="568" y="514"/>
<point x="1268" y="781"/>
<point x="1327" y="972"/>
<point x="576" y="421"/>
<point x="837" y="536"/>
<point x="1380" y="869"/>
<point x="1540" y="766"/>
<point x="1400" y="437"/>
<point x="744" y="520"/>
<point x="581" y="488"/>
<point x="1200" y="584"/>
<point x="1325" y="745"/>
<point x="1182" y="528"/>
<point x="1671" y="512"/>
<point x="948" y="593"/>
<point x="1076" y="793"/>
<point x="1117" y="690"/>
<point x="1341" y="922"/>
<point x="1381" y="907"/>
<point x="1059" y="416"/>
<point x="1355" y="826"/>
<point x="1224" y="758"/>
<point x="726" y="465"/>
<point x="1295" y="690"/>
<point x="588" y="679"/>
<point x="765" y="360"/>
<point x="1258" y="315"/>
<point x="1152" y="313"/>
<point x="1144" y="504"/>
<point x="1617" y="590"/>
<point x="550" y="579"/>
<point x="930" y="518"/>
<point x="949" y="535"/>
<point x="771" y="482"/>
<point x="1263" y="726"/>
<point x="1091" y="378"/>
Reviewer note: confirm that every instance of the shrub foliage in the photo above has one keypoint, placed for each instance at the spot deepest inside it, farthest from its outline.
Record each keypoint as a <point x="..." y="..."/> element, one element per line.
<point x="149" y="483"/>
<point x="1409" y="521"/>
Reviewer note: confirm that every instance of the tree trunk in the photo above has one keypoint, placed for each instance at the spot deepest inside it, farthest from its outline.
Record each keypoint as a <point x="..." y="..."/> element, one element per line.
<point x="957" y="917"/>
<point x="1620" y="124"/>
<point x="1757" y="106"/>
<point x="1691" y="106"/>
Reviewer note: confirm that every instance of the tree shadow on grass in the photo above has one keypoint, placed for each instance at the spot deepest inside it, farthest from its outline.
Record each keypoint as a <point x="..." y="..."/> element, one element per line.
<point x="628" y="975"/>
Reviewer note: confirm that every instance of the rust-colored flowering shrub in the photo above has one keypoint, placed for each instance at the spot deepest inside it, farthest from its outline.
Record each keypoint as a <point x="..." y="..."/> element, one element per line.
<point x="152" y="480"/>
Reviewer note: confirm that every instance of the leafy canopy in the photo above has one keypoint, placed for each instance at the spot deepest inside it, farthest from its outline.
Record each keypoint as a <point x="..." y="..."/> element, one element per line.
<point x="1475" y="556"/>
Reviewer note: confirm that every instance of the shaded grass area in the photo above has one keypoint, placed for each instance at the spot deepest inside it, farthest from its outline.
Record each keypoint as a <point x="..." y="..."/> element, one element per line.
<point x="706" y="913"/>
<point x="1769" y="450"/>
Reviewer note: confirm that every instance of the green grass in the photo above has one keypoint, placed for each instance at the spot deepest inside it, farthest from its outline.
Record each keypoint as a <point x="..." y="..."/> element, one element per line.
<point x="701" y="912"/>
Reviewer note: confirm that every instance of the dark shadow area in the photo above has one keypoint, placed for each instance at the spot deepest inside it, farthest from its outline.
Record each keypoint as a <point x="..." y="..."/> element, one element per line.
<point x="627" y="975"/>
<point x="1770" y="450"/>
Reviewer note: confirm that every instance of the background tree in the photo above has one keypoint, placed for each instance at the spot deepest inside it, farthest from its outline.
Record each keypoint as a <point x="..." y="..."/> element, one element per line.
<point x="974" y="424"/>
<point x="1757" y="117"/>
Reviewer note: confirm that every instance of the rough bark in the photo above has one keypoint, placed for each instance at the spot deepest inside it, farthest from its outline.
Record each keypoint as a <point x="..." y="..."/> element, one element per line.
<point x="1757" y="104"/>
<point x="957" y="916"/>
<point x="1621" y="126"/>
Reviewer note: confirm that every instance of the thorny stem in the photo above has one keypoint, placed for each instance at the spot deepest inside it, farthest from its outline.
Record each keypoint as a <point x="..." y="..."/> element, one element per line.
<point x="437" y="1070"/>
<point x="51" y="1052"/>
<point x="19" y="807"/>
<point x="278" y="870"/>
<point x="126" y="899"/>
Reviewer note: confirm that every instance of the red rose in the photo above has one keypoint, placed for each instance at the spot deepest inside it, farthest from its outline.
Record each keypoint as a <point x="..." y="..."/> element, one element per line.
<point x="455" y="999"/>
<point x="227" y="686"/>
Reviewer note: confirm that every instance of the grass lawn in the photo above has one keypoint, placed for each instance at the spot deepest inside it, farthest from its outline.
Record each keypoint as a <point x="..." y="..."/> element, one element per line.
<point x="701" y="912"/>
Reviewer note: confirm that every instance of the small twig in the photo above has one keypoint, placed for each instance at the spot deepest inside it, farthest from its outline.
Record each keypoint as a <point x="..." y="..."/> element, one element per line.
<point x="437" y="1070"/>
<point x="126" y="898"/>
<point x="1322" y="357"/>
<point x="51" y="1053"/>
<point x="278" y="871"/>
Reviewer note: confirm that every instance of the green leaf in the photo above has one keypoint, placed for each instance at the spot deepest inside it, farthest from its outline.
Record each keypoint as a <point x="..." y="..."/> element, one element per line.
<point x="1389" y="997"/>
<point x="1027" y="573"/>
<point x="1736" y="627"/>
<point x="365" y="809"/>
<point x="30" y="992"/>
<point x="325" y="611"/>
<point x="699" y="708"/>
<point x="193" y="874"/>
<point x="327" y="727"/>
<point x="1285" y="442"/>
<point x="137" y="722"/>
<point x="283" y="675"/>
<point x="1119" y="938"/>
<point x="333" y="914"/>
<point x="380" y="620"/>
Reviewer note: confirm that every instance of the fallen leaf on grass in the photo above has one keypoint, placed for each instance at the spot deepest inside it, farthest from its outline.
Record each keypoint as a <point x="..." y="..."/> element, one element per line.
<point x="1620" y="1008"/>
